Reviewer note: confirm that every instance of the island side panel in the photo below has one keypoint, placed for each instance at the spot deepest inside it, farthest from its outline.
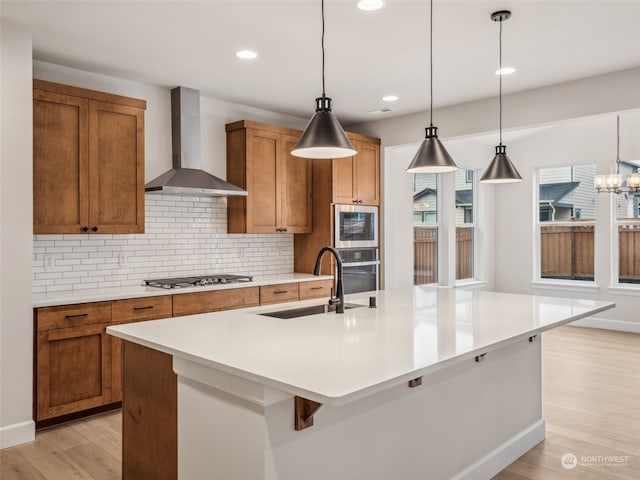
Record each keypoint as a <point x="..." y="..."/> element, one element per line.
<point x="149" y="415"/>
<point x="469" y="420"/>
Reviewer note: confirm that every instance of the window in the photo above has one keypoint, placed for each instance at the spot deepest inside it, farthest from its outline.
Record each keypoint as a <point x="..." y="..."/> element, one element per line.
<point x="464" y="224"/>
<point x="425" y="228"/>
<point x="627" y="227"/>
<point x="566" y="220"/>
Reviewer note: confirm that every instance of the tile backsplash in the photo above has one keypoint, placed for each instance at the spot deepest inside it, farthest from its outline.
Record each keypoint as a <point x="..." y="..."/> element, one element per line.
<point x="184" y="235"/>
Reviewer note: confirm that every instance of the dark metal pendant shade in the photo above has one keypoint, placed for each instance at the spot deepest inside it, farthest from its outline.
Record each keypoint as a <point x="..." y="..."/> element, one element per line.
<point x="323" y="137"/>
<point x="431" y="156"/>
<point x="501" y="170"/>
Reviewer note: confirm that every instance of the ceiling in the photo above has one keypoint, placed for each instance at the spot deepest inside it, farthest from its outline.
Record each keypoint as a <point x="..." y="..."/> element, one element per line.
<point x="368" y="54"/>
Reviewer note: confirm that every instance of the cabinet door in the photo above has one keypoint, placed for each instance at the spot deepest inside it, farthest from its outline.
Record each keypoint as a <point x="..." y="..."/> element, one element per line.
<point x="342" y="180"/>
<point x="60" y="163"/>
<point x="73" y="370"/>
<point x="262" y="163"/>
<point x="297" y="190"/>
<point x="116" y="152"/>
<point x="366" y="174"/>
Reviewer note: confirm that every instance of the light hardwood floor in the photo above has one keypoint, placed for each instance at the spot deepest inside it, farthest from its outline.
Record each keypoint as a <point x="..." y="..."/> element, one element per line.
<point x="591" y="402"/>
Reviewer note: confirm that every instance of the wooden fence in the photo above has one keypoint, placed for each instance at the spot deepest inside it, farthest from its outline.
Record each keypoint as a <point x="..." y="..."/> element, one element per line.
<point x="425" y="254"/>
<point x="629" y="245"/>
<point x="567" y="252"/>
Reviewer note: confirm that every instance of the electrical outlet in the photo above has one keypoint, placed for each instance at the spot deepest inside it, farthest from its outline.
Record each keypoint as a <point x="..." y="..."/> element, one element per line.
<point x="122" y="259"/>
<point x="49" y="262"/>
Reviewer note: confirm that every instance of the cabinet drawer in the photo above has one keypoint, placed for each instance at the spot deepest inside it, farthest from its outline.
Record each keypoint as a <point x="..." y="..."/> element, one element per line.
<point x="315" y="289"/>
<point x="138" y="309"/>
<point x="285" y="292"/>
<point x="67" y="316"/>
<point x="202" y="302"/>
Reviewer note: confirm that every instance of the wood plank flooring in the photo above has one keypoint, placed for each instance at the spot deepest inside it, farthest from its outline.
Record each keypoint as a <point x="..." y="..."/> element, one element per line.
<point x="591" y="402"/>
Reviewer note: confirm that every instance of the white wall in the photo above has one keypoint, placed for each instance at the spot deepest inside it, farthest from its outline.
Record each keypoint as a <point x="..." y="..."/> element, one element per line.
<point x="16" y="231"/>
<point x="544" y="127"/>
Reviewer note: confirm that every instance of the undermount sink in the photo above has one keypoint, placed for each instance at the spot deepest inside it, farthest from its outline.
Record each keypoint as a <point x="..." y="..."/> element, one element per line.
<point x="306" y="311"/>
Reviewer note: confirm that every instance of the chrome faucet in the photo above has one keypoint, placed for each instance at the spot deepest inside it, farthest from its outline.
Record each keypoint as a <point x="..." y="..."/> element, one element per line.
<point x="338" y="300"/>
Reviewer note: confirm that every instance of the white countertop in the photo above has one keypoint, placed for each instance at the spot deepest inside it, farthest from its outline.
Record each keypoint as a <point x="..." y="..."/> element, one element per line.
<point x="134" y="291"/>
<point x="336" y="359"/>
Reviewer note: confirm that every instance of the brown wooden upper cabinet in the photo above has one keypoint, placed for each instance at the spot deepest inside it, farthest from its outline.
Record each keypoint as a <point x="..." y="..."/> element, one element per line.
<point x="357" y="179"/>
<point x="279" y="185"/>
<point x="88" y="161"/>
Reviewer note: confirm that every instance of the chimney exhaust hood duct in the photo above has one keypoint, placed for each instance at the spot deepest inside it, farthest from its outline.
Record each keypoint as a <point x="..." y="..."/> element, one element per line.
<point x="186" y="177"/>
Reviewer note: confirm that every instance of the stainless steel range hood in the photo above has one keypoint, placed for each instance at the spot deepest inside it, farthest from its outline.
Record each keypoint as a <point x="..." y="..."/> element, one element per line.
<point x="186" y="177"/>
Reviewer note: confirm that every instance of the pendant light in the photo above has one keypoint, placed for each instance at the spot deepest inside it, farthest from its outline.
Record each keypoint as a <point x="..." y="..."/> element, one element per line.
<point x="431" y="156"/>
<point x="501" y="170"/>
<point x="323" y="136"/>
<point x="613" y="182"/>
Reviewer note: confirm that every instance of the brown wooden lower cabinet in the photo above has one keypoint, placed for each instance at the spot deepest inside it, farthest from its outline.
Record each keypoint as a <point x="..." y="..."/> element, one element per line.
<point x="79" y="366"/>
<point x="129" y="311"/>
<point x="74" y="370"/>
<point x="315" y="289"/>
<point x="215" y="300"/>
<point x="149" y="415"/>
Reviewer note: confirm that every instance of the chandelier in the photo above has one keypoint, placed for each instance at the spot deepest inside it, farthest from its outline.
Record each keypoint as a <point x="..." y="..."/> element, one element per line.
<point x="615" y="182"/>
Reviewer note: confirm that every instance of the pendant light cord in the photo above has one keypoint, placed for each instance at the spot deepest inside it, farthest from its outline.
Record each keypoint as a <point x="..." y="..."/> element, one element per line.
<point x="431" y="63"/>
<point x="322" y="43"/>
<point x="500" y="75"/>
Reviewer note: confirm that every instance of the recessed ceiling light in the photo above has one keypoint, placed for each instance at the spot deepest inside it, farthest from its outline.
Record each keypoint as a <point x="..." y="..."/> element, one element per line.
<point x="505" y="71"/>
<point x="390" y="98"/>
<point x="369" y="5"/>
<point x="247" y="54"/>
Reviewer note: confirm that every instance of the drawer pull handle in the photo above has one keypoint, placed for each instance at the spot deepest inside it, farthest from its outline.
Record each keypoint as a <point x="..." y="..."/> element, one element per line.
<point x="280" y="291"/>
<point x="77" y="316"/>
<point x="148" y="307"/>
<point x="317" y="288"/>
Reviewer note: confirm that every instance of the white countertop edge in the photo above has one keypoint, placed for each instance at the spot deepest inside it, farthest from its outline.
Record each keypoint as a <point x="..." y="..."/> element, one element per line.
<point x="67" y="297"/>
<point x="348" y="397"/>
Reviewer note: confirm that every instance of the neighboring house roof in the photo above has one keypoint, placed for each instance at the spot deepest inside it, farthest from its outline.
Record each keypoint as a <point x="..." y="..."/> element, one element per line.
<point x="423" y="193"/>
<point x="552" y="192"/>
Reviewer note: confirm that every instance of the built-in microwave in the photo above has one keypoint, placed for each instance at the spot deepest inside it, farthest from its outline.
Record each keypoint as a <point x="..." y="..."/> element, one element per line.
<point x="356" y="226"/>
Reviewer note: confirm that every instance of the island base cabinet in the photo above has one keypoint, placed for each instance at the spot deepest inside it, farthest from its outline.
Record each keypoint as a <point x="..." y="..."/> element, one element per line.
<point x="468" y="420"/>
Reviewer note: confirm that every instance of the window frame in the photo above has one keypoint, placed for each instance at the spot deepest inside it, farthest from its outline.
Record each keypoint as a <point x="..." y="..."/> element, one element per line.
<point x="474" y="228"/>
<point x="544" y="282"/>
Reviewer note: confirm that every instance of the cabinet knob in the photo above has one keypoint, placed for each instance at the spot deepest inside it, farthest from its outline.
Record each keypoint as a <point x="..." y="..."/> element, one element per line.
<point x="85" y="229"/>
<point x="94" y="229"/>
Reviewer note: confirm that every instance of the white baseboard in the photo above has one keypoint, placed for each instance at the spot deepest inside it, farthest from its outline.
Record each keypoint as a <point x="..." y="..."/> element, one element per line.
<point x="607" y="324"/>
<point x="498" y="459"/>
<point x="17" y="433"/>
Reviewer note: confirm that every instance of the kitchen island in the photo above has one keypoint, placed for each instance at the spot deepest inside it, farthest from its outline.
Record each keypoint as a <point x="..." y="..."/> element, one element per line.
<point x="432" y="383"/>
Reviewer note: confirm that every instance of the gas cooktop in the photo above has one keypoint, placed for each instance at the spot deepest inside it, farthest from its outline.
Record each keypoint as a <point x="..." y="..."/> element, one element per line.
<point x="198" y="281"/>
